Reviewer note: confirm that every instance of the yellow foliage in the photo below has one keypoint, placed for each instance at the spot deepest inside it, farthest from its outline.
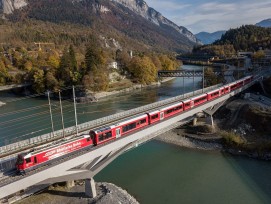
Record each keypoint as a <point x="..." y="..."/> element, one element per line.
<point x="143" y="70"/>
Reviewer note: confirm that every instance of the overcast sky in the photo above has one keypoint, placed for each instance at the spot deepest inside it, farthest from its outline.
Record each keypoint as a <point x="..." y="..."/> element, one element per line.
<point x="211" y="16"/>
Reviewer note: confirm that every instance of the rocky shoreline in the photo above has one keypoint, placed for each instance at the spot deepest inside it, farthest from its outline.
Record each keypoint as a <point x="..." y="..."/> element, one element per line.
<point x="207" y="144"/>
<point x="106" y="193"/>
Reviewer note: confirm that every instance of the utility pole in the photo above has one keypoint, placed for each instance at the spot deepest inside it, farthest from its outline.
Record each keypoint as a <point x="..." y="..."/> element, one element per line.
<point x="193" y="81"/>
<point x="52" y="123"/>
<point x="203" y="79"/>
<point x="237" y="68"/>
<point x="75" y="112"/>
<point x="61" y="111"/>
<point x="183" y="86"/>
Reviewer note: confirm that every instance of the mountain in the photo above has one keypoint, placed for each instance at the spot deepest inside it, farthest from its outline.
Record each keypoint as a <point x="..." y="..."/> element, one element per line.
<point x="132" y="18"/>
<point x="140" y="7"/>
<point x="209" y="38"/>
<point x="265" y="23"/>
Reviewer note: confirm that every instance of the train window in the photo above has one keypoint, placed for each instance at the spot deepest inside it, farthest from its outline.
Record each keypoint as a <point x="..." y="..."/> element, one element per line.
<point x="28" y="160"/>
<point x="35" y="160"/>
<point x="20" y="160"/>
<point x="187" y="104"/>
<point x="154" y="116"/>
<point x="128" y="127"/>
<point x="169" y="111"/>
<point x="214" y="94"/>
<point x="108" y="134"/>
<point x="101" y="137"/>
<point x="199" y="100"/>
<point x="142" y="121"/>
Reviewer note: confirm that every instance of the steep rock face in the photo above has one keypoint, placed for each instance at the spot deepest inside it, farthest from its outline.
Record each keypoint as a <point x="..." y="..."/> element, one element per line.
<point x="8" y="6"/>
<point x="140" y="7"/>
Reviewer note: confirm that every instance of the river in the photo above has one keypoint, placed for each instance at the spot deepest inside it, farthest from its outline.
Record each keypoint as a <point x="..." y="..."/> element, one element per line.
<point x="155" y="172"/>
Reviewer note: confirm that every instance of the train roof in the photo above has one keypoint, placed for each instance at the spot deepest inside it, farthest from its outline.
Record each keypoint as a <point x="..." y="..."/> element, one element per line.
<point x="196" y="97"/>
<point x="171" y="106"/>
<point x="103" y="128"/>
<point x="131" y="119"/>
<point x="154" y="112"/>
<point x="187" y="100"/>
<point x="214" y="90"/>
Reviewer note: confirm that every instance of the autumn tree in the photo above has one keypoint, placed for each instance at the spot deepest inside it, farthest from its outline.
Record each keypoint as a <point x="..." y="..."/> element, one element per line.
<point x="51" y="82"/>
<point x="38" y="80"/>
<point x="210" y="77"/>
<point x="167" y="63"/>
<point x="143" y="70"/>
<point x="3" y="73"/>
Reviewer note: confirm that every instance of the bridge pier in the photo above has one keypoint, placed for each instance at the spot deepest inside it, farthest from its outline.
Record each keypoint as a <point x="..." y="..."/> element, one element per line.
<point x="195" y="120"/>
<point x="90" y="188"/>
<point x="70" y="184"/>
<point x="210" y="120"/>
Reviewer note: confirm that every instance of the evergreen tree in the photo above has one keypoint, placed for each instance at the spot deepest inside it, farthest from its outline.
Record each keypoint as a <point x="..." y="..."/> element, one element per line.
<point x="68" y="68"/>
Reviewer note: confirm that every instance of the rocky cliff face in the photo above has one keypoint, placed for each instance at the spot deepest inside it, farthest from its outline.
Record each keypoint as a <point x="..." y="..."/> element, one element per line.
<point x="8" y="6"/>
<point x="140" y="7"/>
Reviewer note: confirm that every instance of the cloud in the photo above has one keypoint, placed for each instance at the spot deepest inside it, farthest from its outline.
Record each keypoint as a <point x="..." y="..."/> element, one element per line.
<point x="210" y="16"/>
<point x="167" y="5"/>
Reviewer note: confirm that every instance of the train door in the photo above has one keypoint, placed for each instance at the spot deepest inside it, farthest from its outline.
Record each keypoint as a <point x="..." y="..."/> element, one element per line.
<point x="117" y="132"/>
<point x="161" y="115"/>
<point x="35" y="160"/>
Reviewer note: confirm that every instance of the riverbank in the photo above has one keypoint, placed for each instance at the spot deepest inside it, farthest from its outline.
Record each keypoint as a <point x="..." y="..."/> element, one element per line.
<point x="1" y="103"/>
<point x="106" y="193"/>
<point x="236" y="131"/>
<point x="135" y="87"/>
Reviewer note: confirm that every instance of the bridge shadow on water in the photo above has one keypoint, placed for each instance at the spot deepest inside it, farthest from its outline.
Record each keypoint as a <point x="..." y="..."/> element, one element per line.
<point x="255" y="174"/>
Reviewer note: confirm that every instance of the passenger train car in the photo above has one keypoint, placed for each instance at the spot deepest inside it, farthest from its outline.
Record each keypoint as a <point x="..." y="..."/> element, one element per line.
<point x="28" y="161"/>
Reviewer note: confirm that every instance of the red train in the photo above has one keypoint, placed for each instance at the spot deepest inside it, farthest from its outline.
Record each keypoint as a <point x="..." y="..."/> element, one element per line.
<point x="31" y="160"/>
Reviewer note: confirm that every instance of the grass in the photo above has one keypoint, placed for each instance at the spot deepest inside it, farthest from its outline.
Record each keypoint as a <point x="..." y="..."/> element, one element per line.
<point x="232" y="138"/>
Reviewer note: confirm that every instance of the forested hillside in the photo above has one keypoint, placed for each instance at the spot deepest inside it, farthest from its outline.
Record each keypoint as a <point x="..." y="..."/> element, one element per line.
<point x="106" y="17"/>
<point x="246" y="38"/>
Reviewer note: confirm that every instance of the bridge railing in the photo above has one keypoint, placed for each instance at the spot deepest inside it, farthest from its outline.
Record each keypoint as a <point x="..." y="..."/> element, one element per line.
<point x="88" y="125"/>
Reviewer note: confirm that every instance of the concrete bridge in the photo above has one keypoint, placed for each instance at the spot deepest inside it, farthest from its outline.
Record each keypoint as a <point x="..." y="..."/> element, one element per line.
<point x="85" y="163"/>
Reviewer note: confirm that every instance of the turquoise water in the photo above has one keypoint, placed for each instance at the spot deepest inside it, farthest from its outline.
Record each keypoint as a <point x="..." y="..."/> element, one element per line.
<point x="161" y="173"/>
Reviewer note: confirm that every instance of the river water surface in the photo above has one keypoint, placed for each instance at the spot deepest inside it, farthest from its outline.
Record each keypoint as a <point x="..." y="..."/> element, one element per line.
<point x="155" y="172"/>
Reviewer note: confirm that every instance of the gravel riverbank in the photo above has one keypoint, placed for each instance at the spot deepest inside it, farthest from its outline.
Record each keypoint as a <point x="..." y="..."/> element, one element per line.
<point x="177" y="137"/>
<point x="104" y="94"/>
